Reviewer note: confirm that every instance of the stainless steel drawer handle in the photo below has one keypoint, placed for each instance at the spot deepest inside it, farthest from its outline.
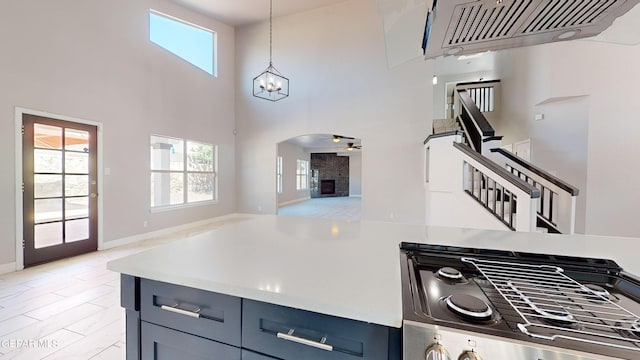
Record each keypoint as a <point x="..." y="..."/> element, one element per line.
<point x="177" y="310"/>
<point x="316" y="344"/>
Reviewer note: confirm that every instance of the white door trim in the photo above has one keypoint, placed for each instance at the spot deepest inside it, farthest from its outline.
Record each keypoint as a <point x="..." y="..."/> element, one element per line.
<point x="18" y="124"/>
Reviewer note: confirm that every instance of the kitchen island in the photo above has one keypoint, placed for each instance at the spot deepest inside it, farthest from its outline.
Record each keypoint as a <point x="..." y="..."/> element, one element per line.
<point x="325" y="269"/>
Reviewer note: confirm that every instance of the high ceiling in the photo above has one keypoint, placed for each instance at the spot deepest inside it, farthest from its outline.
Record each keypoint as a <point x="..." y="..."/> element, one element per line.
<point x="242" y="12"/>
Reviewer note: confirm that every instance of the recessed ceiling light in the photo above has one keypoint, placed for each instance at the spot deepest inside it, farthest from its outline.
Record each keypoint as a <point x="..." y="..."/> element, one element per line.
<point x="568" y="34"/>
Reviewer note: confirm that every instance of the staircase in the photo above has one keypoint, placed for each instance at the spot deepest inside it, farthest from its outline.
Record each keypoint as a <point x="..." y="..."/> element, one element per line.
<point x="472" y="182"/>
<point x="445" y="125"/>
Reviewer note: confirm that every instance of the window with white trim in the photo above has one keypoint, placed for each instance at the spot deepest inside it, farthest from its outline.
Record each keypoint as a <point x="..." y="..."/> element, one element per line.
<point x="302" y="175"/>
<point x="279" y="174"/>
<point x="182" y="172"/>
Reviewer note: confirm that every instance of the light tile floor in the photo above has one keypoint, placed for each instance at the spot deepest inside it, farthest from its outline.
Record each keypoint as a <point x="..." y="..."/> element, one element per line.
<point x="345" y="208"/>
<point x="70" y="309"/>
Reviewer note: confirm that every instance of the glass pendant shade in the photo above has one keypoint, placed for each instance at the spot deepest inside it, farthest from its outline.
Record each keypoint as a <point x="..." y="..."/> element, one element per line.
<point x="271" y="85"/>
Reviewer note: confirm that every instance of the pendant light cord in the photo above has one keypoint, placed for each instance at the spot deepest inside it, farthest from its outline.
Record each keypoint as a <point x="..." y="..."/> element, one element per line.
<point x="270" y="32"/>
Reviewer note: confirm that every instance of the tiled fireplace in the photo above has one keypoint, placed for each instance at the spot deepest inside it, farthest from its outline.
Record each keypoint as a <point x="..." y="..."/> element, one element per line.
<point x="329" y="175"/>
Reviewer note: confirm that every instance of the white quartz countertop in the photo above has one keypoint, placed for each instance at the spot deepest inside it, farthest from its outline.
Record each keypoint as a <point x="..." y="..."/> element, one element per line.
<point x="340" y="268"/>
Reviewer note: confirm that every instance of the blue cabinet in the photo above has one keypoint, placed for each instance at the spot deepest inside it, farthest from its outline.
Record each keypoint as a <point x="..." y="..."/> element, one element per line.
<point x="167" y="321"/>
<point x="250" y="355"/>
<point x="160" y="343"/>
<point x="210" y="315"/>
<point x="290" y="334"/>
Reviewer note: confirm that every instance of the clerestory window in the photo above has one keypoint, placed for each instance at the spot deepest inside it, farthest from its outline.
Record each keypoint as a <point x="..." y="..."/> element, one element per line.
<point x="192" y="43"/>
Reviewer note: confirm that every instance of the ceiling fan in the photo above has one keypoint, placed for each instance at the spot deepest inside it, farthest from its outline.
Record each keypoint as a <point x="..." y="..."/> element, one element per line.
<point x="351" y="146"/>
<point x="337" y="138"/>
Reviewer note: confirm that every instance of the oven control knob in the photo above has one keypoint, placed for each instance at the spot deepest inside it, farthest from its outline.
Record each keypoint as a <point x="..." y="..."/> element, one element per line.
<point x="437" y="352"/>
<point x="469" y="355"/>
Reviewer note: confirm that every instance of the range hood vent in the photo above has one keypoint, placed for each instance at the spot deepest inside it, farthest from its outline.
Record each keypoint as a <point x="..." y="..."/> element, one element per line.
<point x="456" y="27"/>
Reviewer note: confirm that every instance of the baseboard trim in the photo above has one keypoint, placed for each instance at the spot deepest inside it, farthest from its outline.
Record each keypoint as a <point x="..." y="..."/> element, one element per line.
<point x="294" y="201"/>
<point x="7" y="268"/>
<point x="170" y="230"/>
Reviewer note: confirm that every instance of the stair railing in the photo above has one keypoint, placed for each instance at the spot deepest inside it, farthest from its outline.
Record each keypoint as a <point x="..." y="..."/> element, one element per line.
<point x="469" y="99"/>
<point x="557" y="206"/>
<point x="508" y="197"/>
<point x="522" y="196"/>
<point x="485" y="94"/>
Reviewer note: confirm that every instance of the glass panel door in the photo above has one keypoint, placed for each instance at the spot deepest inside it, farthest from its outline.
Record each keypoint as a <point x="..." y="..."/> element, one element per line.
<point x="60" y="189"/>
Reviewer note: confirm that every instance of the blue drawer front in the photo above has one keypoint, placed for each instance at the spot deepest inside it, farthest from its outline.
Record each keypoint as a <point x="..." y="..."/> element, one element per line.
<point x="174" y="306"/>
<point x="160" y="343"/>
<point x="312" y="334"/>
<point x="250" y="355"/>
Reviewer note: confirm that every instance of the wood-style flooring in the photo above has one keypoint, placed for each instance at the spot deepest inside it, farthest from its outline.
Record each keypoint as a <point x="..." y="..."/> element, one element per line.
<point x="69" y="309"/>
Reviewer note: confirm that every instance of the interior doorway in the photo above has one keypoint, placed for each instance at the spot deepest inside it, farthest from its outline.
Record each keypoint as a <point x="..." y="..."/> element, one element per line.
<point x="319" y="175"/>
<point x="523" y="150"/>
<point x="59" y="188"/>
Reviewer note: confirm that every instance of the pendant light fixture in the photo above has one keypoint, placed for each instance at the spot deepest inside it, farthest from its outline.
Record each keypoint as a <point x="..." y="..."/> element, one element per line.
<point x="270" y="84"/>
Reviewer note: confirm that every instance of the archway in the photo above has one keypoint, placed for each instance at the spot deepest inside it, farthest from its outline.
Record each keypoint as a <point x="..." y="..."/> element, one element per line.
<point x="319" y="175"/>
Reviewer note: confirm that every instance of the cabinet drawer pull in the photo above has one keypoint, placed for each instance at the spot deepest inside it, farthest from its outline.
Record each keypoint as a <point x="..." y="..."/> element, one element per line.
<point x="177" y="310"/>
<point x="316" y="344"/>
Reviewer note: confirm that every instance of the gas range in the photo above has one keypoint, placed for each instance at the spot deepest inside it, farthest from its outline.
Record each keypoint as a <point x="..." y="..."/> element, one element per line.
<point x="493" y="304"/>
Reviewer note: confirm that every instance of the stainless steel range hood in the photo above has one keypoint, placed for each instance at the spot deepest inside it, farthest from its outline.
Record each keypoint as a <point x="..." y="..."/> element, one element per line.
<point x="456" y="27"/>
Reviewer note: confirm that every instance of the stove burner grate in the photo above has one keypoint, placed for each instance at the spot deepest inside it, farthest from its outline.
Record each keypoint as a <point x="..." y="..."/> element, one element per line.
<point x="592" y="289"/>
<point x="552" y="305"/>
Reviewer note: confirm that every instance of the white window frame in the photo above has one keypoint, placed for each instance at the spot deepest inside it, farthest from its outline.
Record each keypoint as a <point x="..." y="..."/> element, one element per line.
<point x="279" y="174"/>
<point x="302" y="176"/>
<point x="185" y="176"/>
<point x="214" y="36"/>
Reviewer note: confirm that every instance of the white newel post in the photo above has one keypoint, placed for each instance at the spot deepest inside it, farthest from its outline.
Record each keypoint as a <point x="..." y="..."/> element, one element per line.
<point x="526" y="213"/>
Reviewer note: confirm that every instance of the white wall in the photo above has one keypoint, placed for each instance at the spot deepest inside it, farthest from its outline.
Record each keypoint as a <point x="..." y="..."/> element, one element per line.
<point x="558" y="141"/>
<point x="340" y="84"/>
<point x="447" y="202"/>
<point x="92" y="60"/>
<point x="613" y="201"/>
<point x="594" y="138"/>
<point x="355" y="174"/>
<point x="290" y="155"/>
